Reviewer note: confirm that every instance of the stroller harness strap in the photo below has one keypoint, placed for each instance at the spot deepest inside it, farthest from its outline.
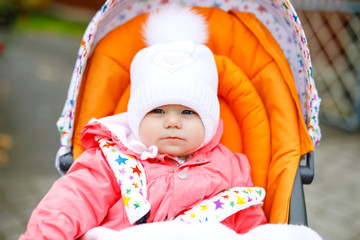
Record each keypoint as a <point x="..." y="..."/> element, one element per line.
<point x="130" y="175"/>
<point x="223" y="205"/>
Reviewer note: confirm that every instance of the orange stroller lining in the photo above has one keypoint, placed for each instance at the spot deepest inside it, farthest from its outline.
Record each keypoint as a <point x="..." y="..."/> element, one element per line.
<point x="258" y="98"/>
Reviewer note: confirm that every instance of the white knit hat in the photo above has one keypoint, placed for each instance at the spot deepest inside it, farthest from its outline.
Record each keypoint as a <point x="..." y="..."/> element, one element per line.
<point x="176" y="69"/>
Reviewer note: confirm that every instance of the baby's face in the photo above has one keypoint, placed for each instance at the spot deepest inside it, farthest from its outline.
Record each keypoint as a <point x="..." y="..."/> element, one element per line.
<point x="176" y="130"/>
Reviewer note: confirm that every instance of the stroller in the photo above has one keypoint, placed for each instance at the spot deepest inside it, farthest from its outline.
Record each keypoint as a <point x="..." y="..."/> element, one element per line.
<point x="265" y="39"/>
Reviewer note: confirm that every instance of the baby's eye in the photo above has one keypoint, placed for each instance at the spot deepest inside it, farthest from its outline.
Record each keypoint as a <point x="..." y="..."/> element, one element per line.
<point x="188" y="112"/>
<point x="158" y="111"/>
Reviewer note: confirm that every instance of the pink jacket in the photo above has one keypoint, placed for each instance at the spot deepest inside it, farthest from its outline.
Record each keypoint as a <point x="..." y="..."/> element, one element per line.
<point x="89" y="195"/>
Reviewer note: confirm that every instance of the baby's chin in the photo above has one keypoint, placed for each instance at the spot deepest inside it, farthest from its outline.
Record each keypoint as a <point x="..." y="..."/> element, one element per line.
<point x="177" y="152"/>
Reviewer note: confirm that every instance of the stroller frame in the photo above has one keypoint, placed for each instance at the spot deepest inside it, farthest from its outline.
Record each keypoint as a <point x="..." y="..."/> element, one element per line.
<point x="297" y="54"/>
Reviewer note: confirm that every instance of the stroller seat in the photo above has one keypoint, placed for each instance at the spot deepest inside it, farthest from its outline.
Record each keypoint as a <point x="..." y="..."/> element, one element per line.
<point x="258" y="97"/>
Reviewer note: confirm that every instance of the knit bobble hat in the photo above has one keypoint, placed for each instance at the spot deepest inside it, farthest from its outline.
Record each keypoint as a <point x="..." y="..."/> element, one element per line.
<point x="176" y="68"/>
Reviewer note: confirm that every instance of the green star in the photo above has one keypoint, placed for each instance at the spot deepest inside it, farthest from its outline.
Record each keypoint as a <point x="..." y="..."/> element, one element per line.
<point x="137" y="205"/>
<point x="232" y="203"/>
<point x="259" y="192"/>
<point x="128" y="191"/>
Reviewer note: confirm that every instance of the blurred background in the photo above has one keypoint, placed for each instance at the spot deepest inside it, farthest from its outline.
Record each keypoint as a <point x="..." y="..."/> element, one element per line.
<point x="39" y="40"/>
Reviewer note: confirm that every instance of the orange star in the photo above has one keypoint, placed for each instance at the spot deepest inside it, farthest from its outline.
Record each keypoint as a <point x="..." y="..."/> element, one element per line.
<point x="226" y="196"/>
<point x="85" y="52"/>
<point x="109" y="145"/>
<point x="136" y="170"/>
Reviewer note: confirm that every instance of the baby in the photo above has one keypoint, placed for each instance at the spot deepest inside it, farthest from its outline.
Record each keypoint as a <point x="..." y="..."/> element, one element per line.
<point x="160" y="158"/>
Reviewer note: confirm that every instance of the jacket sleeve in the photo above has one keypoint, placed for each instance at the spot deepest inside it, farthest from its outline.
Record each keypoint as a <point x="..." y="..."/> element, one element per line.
<point x="76" y="202"/>
<point x="247" y="219"/>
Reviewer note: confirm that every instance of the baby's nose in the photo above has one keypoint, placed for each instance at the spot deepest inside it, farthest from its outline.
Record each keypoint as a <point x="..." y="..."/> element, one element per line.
<point x="173" y="121"/>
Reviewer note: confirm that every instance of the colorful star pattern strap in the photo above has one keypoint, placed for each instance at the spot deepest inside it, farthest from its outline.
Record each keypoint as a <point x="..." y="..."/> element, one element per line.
<point x="130" y="175"/>
<point x="223" y="205"/>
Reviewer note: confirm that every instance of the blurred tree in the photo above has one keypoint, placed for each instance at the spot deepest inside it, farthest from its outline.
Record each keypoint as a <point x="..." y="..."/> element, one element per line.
<point x="10" y="9"/>
<point x="7" y="14"/>
<point x="33" y="5"/>
<point x="7" y="18"/>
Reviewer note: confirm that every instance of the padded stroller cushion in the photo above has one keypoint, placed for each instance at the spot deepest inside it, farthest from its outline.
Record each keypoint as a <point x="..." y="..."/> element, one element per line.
<point x="242" y="99"/>
<point x="264" y="121"/>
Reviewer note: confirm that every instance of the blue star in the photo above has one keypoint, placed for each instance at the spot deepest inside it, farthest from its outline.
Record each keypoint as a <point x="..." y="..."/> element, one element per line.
<point x="104" y="8"/>
<point x="217" y="5"/>
<point x="121" y="160"/>
<point x="122" y="17"/>
<point x="295" y="17"/>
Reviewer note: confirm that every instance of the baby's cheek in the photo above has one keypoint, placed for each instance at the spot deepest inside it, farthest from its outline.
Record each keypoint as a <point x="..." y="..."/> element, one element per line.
<point x="146" y="137"/>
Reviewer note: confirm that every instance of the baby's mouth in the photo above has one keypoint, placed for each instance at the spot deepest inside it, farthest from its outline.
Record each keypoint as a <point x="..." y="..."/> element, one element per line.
<point x="173" y="138"/>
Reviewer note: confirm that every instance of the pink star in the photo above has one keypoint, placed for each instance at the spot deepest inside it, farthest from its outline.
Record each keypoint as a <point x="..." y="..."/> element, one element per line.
<point x="261" y="9"/>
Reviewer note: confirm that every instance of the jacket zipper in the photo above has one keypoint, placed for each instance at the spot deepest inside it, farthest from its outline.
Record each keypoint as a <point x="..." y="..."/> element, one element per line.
<point x="173" y="161"/>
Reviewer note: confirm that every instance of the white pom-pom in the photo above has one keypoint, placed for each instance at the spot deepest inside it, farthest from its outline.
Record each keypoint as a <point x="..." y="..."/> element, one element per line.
<point x="172" y="24"/>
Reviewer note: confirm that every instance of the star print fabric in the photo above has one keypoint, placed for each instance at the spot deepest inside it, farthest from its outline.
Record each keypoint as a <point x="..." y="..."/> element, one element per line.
<point x="130" y="175"/>
<point x="223" y="205"/>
